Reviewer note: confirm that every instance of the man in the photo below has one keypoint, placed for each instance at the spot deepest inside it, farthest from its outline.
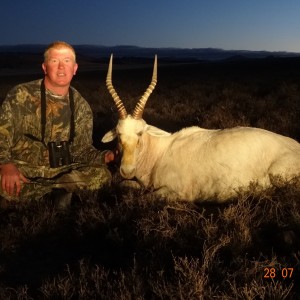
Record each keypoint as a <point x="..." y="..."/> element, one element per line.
<point x="46" y="135"/>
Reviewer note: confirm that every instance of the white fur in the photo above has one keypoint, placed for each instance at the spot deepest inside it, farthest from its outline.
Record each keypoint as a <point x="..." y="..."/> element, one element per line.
<point x="196" y="163"/>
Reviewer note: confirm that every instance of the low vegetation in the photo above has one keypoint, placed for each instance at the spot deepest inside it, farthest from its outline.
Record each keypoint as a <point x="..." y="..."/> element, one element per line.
<point x="126" y="244"/>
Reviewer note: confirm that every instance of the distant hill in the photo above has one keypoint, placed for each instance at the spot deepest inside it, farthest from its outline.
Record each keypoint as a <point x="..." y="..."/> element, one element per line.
<point x="98" y="52"/>
<point x="27" y="59"/>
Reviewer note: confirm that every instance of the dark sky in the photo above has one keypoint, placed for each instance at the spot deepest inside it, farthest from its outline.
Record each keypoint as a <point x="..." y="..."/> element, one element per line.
<point x="272" y="25"/>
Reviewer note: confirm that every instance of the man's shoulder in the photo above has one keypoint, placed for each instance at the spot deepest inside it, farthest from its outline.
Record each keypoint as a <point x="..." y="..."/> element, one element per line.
<point x="27" y="86"/>
<point x="75" y="92"/>
<point x="78" y="97"/>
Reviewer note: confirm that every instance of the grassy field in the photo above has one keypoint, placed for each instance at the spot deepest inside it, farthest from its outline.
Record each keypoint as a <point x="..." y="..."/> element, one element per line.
<point x="123" y="244"/>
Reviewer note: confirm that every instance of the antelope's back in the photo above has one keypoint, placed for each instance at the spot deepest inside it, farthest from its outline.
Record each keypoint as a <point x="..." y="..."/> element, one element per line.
<point x="205" y="163"/>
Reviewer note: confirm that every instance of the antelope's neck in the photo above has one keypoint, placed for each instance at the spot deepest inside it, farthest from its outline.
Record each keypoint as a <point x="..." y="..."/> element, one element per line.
<point x="152" y="149"/>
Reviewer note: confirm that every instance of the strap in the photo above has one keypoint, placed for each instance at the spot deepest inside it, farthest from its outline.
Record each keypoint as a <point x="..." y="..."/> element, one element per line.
<point x="43" y="110"/>
<point x="72" y="124"/>
<point x="43" y="113"/>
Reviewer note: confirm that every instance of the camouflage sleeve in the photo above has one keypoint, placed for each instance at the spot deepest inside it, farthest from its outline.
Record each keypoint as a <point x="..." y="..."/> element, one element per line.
<point x="6" y="130"/>
<point x="82" y="147"/>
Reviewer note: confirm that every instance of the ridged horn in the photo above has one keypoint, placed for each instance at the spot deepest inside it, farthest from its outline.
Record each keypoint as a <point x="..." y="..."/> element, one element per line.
<point x="118" y="101"/>
<point x="139" y="108"/>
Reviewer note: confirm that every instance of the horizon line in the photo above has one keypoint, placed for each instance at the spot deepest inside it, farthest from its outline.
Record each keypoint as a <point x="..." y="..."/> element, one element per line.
<point x="147" y="47"/>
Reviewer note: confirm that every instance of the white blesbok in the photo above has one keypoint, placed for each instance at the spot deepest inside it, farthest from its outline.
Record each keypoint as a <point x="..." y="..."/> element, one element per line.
<point x="196" y="163"/>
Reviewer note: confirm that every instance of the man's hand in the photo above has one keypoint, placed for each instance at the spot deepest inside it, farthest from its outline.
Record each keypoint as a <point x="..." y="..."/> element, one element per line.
<point x="11" y="179"/>
<point x="109" y="156"/>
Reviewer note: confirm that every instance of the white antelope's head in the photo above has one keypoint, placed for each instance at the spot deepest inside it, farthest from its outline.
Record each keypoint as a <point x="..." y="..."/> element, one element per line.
<point x="130" y="127"/>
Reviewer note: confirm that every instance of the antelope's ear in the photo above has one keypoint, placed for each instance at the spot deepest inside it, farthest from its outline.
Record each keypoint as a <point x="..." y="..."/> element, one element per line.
<point x="109" y="136"/>
<point x="152" y="130"/>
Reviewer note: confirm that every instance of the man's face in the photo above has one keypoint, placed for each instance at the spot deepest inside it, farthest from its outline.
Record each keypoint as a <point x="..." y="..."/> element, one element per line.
<point x="60" y="67"/>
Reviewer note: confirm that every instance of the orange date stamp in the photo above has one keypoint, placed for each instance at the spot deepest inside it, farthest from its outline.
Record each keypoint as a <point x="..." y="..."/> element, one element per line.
<point x="272" y="273"/>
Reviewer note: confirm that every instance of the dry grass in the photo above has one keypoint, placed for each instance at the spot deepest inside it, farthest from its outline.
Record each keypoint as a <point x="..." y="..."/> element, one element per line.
<point x="135" y="246"/>
<point x="124" y="244"/>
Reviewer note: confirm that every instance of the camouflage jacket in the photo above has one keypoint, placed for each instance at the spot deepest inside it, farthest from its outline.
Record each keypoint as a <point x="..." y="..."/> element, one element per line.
<point x="20" y="129"/>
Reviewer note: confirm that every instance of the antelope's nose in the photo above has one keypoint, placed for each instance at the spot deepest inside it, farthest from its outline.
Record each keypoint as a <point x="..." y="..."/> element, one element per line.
<point x="127" y="171"/>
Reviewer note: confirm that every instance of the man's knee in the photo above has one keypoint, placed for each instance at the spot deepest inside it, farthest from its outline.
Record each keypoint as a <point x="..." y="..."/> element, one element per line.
<point x="90" y="178"/>
<point x="98" y="178"/>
